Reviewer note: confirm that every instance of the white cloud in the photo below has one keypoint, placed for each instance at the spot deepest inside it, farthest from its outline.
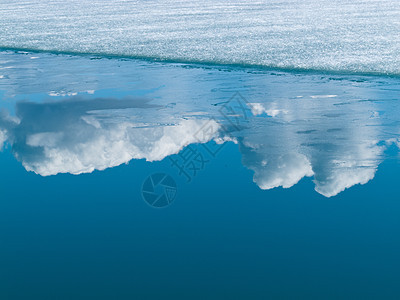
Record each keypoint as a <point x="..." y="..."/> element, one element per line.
<point x="285" y="171"/>
<point x="259" y="109"/>
<point x="62" y="94"/>
<point x="323" y="96"/>
<point x="312" y="139"/>
<point x="108" y="147"/>
<point x="3" y="138"/>
<point x="280" y="166"/>
<point x="357" y="167"/>
<point x="337" y="147"/>
<point x="64" y="137"/>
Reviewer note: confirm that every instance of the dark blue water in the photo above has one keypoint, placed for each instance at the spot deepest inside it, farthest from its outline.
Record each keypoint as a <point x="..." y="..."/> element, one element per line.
<point x="294" y="197"/>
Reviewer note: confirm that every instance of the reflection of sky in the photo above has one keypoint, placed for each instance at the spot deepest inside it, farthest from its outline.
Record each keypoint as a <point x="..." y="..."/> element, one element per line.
<point x="79" y="136"/>
<point x="315" y="137"/>
<point x="333" y="129"/>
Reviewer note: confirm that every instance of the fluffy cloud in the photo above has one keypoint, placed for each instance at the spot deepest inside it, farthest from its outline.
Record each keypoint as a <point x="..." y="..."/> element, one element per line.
<point x="312" y="138"/>
<point x="3" y="138"/>
<point x="346" y="169"/>
<point x="80" y="136"/>
<point x="259" y="109"/>
<point x="309" y="139"/>
<point x="284" y="171"/>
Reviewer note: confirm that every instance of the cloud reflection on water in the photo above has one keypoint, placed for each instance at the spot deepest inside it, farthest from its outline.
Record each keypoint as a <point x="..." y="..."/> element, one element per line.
<point x="79" y="136"/>
<point x="312" y="138"/>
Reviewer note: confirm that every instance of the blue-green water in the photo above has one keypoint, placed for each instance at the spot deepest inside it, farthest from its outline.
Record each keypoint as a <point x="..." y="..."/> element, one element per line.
<point x="286" y="182"/>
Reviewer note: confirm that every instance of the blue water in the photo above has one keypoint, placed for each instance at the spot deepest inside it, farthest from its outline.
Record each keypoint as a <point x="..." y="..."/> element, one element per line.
<point x="294" y="194"/>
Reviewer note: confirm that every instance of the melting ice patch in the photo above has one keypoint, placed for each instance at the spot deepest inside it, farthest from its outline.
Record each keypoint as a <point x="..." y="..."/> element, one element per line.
<point x="341" y="35"/>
